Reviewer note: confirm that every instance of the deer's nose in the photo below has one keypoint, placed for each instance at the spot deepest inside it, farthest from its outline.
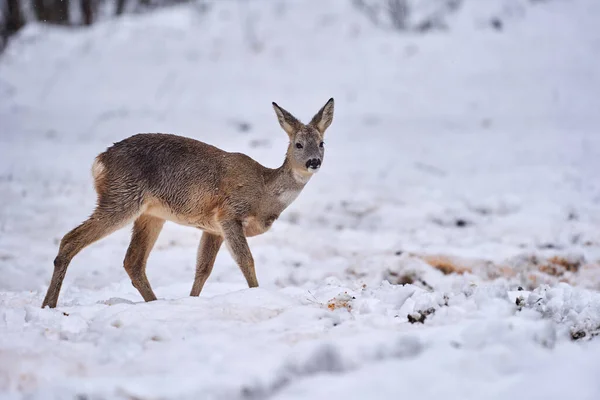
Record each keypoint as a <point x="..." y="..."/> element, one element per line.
<point x="313" y="163"/>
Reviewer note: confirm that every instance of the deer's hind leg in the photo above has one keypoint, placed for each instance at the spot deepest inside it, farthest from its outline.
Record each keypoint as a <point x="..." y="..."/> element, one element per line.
<point x="145" y="232"/>
<point x="207" y="254"/>
<point x="100" y="224"/>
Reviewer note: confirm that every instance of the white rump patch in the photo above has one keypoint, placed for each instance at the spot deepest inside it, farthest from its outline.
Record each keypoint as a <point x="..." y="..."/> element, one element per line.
<point x="97" y="168"/>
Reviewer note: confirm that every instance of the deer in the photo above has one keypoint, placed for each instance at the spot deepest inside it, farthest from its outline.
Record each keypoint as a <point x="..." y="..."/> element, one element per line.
<point x="151" y="178"/>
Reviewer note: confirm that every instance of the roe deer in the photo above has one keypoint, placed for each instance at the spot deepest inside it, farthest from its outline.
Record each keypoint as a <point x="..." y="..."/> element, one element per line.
<point x="150" y="178"/>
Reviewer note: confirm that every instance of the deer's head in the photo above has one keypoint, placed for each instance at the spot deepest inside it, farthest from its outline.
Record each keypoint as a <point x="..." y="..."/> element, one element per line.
<point x="307" y="147"/>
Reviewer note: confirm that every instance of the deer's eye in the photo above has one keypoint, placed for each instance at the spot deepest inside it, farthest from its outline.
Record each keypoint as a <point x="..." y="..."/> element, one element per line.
<point x="321" y="144"/>
<point x="299" y="145"/>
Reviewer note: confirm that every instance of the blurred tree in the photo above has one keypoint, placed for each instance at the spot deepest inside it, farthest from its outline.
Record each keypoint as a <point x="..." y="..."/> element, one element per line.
<point x="14" y="14"/>
<point x="409" y="15"/>
<point x="399" y="13"/>
<point x="60" y="12"/>
<point x="14" y="17"/>
<point x="120" y="7"/>
<point x="88" y="9"/>
<point x="52" y="11"/>
<point x="41" y="12"/>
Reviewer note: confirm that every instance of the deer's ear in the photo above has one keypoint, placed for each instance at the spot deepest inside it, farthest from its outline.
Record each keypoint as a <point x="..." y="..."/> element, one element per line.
<point x="323" y="118"/>
<point x="288" y="122"/>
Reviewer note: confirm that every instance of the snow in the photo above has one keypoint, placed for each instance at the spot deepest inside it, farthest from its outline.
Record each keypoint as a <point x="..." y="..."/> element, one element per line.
<point x="470" y="149"/>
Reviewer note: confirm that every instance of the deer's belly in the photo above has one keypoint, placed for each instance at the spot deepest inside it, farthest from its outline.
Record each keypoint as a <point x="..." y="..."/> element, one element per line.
<point x="205" y="222"/>
<point x="253" y="225"/>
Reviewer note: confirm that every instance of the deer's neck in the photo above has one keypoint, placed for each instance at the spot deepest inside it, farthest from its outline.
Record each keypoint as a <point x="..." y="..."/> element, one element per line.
<point x="286" y="183"/>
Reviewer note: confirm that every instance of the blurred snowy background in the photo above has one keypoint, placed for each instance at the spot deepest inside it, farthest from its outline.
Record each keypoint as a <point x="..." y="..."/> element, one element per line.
<point x="449" y="246"/>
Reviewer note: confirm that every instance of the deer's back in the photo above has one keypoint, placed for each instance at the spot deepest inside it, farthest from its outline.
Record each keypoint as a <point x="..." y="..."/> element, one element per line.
<point x="181" y="176"/>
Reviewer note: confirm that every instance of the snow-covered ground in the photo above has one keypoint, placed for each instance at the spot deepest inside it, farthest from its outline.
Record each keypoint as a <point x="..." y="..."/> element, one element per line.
<point x="471" y="151"/>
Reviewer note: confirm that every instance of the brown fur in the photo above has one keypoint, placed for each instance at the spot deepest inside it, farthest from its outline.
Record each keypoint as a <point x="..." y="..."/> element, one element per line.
<point x="150" y="178"/>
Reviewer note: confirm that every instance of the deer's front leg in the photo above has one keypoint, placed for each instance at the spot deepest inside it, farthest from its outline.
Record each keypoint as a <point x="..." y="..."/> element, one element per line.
<point x="238" y="246"/>
<point x="207" y="254"/>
